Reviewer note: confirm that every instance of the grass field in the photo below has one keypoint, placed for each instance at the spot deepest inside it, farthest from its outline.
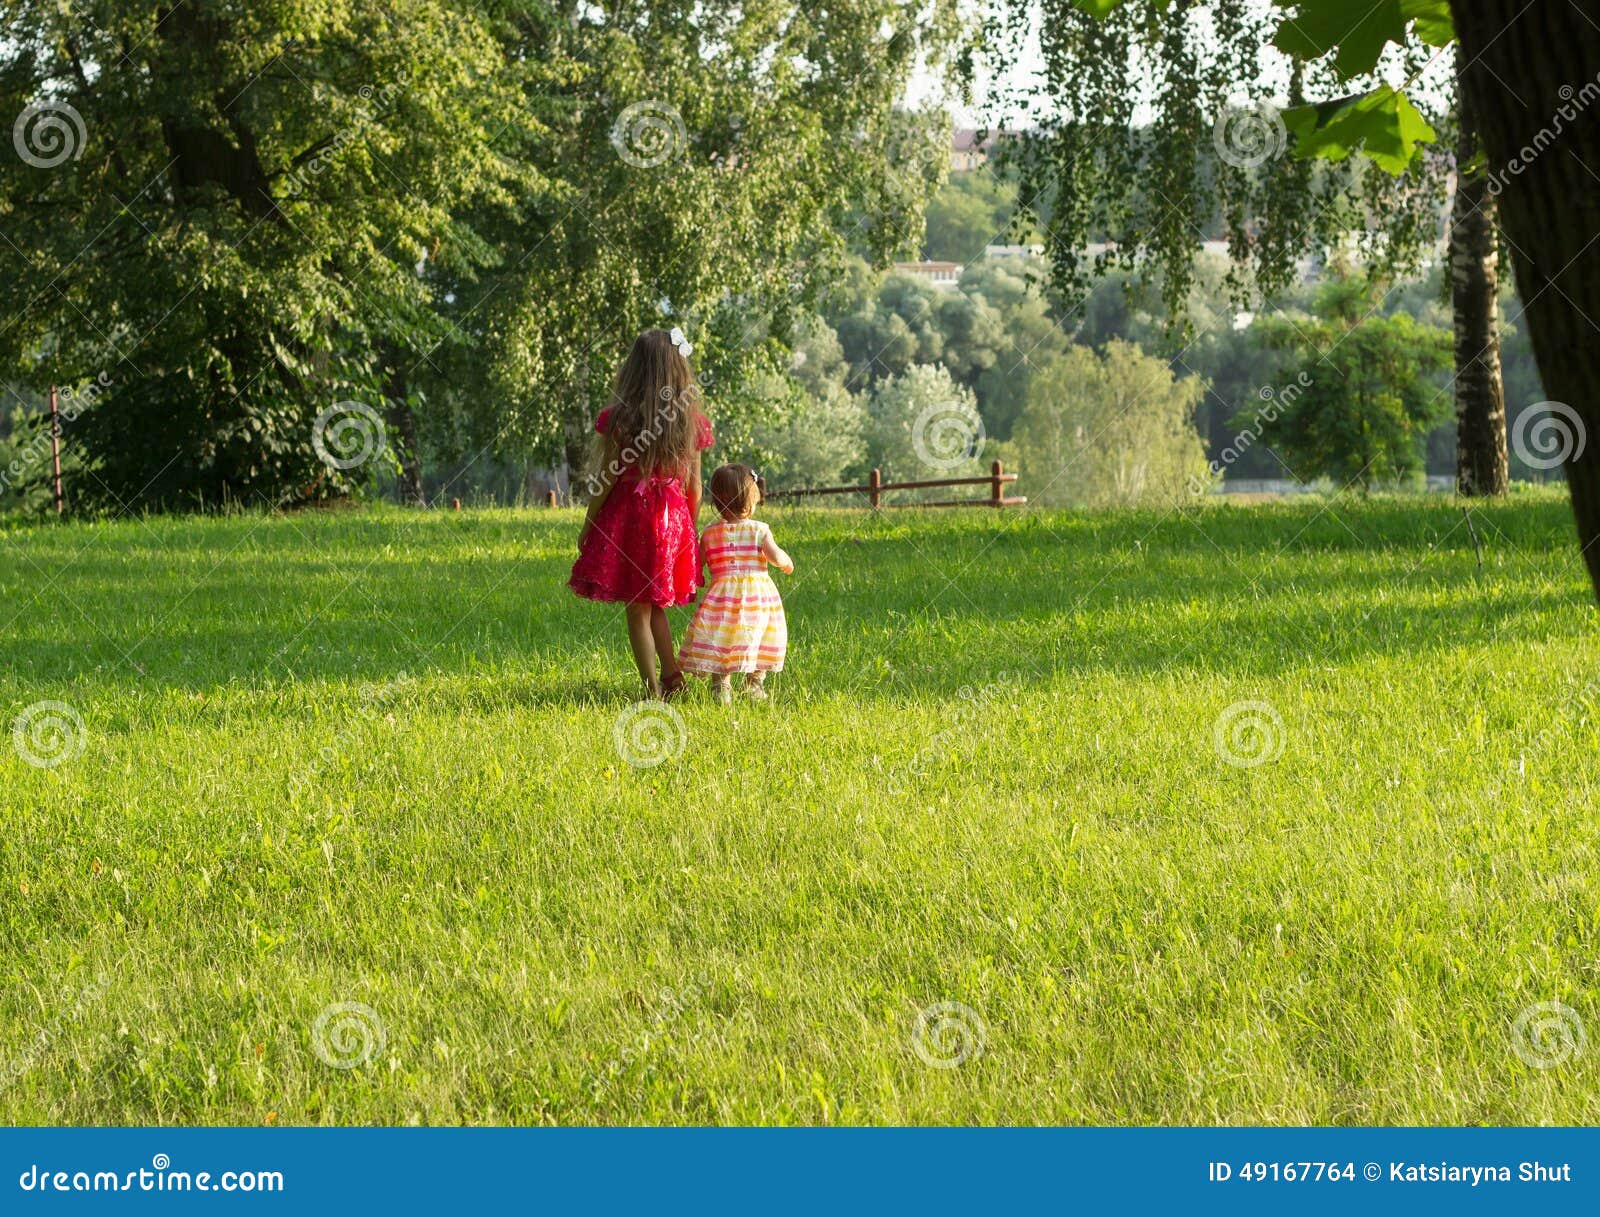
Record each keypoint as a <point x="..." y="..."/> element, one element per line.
<point x="373" y="757"/>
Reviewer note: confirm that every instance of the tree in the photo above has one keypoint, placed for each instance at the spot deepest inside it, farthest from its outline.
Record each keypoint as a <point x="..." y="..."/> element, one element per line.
<point x="970" y="211"/>
<point x="818" y="440"/>
<point x="1111" y="429"/>
<point x="1482" y="466"/>
<point x="224" y="214"/>
<point x="818" y="434"/>
<point x="923" y="426"/>
<point x="1030" y="337"/>
<point x="1163" y="197"/>
<point x="269" y="214"/>
<point x="1160" y="130"/>
<point x="1359" y="406"/>
<point x="1529" y="72"/>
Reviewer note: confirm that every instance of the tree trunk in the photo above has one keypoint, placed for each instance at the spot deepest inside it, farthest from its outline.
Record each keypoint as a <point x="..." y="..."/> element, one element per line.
<point x="1481" y="467"/>
<point x="403" y="429"/>
<point x="1531" y="78"/>
<point x="402" y="422"/>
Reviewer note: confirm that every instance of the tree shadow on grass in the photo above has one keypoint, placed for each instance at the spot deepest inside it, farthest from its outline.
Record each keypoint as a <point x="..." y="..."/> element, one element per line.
<point x="508" y="631"/>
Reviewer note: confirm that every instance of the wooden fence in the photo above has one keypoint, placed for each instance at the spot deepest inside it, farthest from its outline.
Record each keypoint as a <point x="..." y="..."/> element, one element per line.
<point x="876" y="488"/>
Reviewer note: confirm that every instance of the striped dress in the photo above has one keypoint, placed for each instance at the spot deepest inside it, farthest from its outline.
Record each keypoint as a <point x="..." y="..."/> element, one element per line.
<point x="739" y="626"/>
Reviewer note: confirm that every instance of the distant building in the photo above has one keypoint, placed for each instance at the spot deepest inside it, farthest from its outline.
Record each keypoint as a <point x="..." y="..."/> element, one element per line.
<point x="943" y="275"/>
<point x="968" y="152"/>
<point x="1012" y="251"/>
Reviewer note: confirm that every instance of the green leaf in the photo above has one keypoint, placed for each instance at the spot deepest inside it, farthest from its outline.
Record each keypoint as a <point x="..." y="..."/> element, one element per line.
<point x="1383" y="123"/>
<point x="1356" y="34"/>
<point x="1431" y="20"/>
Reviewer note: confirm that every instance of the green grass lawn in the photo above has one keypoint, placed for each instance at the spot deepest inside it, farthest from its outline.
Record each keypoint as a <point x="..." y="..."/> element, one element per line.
<point x="371" y="757"/>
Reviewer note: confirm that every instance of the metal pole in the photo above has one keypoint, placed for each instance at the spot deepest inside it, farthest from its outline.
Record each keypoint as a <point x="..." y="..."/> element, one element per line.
<point x="55" y="445"/>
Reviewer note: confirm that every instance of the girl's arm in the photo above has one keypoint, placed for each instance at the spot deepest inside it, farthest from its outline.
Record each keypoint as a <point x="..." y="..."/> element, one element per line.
<point x="691" y="490"/>
<point x="603" y="482"/>
<point x="775" y="555"/>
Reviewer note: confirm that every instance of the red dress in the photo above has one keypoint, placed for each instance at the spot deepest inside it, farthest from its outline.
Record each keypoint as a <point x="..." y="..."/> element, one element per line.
<point x="642" y="548"/>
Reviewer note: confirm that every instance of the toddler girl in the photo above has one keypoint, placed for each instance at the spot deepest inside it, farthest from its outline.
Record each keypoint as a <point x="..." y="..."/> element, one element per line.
<point x="638" y="544"/>
<point x="739" y="626"/>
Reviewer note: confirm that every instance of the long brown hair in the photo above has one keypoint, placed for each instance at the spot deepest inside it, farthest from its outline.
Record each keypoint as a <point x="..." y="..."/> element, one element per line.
<point x="655" y="409"/>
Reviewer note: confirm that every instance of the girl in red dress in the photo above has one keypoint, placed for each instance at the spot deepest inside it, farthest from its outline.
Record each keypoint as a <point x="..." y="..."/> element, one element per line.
<point x="638" y="545"/>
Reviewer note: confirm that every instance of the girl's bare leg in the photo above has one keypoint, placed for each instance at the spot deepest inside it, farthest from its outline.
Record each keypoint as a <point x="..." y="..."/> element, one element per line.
<point x="755" y="686"/>
<point x="661" y="631"/>
<point x="721" y="689"/>
<point x="641" y="637"/>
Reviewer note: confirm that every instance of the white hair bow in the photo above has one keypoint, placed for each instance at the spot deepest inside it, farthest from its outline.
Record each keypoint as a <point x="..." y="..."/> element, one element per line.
<point x="678" y="340"/>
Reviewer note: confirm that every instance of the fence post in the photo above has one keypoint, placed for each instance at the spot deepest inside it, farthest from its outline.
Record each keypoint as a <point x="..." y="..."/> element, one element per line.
<point x="874" y="494"/>
<point x="761" y="489"/>
<point x="997" y="488"/>
<point x="551" y="499"/>
<point x="55" y="445"/>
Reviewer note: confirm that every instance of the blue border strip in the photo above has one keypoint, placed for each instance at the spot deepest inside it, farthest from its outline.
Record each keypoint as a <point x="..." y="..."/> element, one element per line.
<point x="810" y="1171"/>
